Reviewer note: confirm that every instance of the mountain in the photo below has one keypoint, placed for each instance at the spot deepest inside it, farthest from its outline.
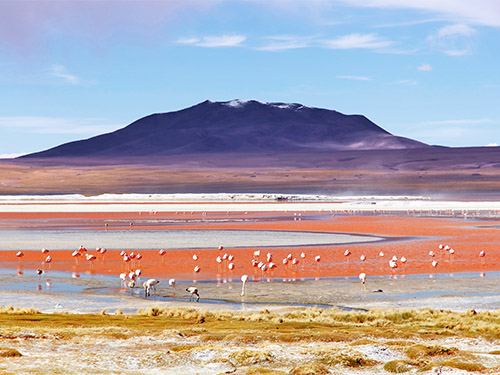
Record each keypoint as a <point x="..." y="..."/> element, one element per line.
<point x="236" y="126"/>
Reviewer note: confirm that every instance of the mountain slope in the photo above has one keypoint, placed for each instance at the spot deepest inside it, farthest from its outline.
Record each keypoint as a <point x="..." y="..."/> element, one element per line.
<point x="236" y="126"/>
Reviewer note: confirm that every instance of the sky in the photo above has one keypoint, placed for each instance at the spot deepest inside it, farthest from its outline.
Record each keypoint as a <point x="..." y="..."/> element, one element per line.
<point x="423" y="69"/>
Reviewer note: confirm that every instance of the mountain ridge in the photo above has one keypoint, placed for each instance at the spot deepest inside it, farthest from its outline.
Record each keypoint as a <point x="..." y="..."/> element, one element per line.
<point x="236" y="126"/>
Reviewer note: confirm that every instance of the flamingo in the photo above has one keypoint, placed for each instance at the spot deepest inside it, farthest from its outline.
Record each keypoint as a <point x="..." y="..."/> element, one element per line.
<point x="48" y="260"/>
<point x="450" y="254"/>
<point x="39" y="272"/>
<point x="230" y="266"/>
<point x="171" y="282"/>
<point x="102" y="251"/>
<point x="195" y="257"/>
<point x="219" y="261"/>
<point x="269" y="257"/>
<point x="149" y="286"/>
<point x="194" y="292"/>
<point x="19" y="254"/>
<point x="138" y="258"/>
<point x="161" y="253"/>
<point x="434" y="263"/>
<point x="432" y="254"/>
<point x="347" y="253"/>
<point x="244" y="280"/>
<point x="123" y="278"/>
<point x="75" y="254"/>
<point x="317" y="258"/>
<point x="393" y="264"/>
<point x="362" y="277"/>
<point x="403" y="261"/>
<point x="221" y="247"/>
<point x="362" y="258"/>
<point x="482" y="254"/>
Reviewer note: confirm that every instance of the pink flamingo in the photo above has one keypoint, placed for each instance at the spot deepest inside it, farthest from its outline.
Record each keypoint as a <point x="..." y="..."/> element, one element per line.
<point x="19" y="255"/>
<point x="75" y="254"/>
<point x="451" y="252"/>
<point x="482" y="254"/>
<point x="138" y="258"/>
<point x="91" y="258"/>
<point x="172" y="282"/>
<point x="403" y="261"/>
<point x="161" y="253"/>
<point x="317" y="258"/>
<point x="394" y="265"/>
<point x="48" y="260"/>
<point x="102" y="251"/>
<point x="347" y="253"/>
<point x="244" y="279"/>
<point x="362" y="277"/>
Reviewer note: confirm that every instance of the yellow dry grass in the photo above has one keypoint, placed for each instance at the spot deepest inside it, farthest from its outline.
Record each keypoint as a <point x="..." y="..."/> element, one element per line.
<point x="337" y="334"/>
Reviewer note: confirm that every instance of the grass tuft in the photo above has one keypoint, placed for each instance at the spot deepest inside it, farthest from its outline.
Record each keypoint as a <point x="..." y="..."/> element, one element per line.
<point x="9" y="353"/>
<point x="397" y="367"/>
<point x="310" y="369"/>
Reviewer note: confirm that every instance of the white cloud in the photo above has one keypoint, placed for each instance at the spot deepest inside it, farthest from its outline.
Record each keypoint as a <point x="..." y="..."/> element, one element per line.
<point x="457" y="29"/>
<point x="477" y="12"/>
<point x="55" y="125"/>
<point x="60" y="71"/>
<point x="454" y="40"/>
<point x="464" y="122"/>
<point x="424" y="68"/>
<point x="10" y="156"/>
<point x="285" y="42"/>
<point x="355" y="78"/>
<point x="214" y="41"/>
<point x="357" y="41"/>
<point x="406" y="82"/>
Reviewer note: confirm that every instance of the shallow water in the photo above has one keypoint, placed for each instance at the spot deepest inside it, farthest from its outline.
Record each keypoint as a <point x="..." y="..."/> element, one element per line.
<point x="63" y="239"/>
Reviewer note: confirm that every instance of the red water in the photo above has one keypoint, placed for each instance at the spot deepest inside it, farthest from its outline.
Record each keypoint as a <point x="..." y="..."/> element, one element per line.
<point x="411" y="237"/>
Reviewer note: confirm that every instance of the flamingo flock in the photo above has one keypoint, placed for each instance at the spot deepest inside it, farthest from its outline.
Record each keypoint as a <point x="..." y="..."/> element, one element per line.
<point x="263" y="263"/>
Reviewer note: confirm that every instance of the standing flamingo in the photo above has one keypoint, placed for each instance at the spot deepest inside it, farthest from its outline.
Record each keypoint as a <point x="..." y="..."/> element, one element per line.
<point x="161" y="253"/>
<point x="75" y="254"/>
<point x="482" y="254"/>
<point x="244" y="280"/>
<point x="171" y="282"/>
<point x="347" y="253"/>
<point x="362" y="277"/>
<point x="123" y="278"/>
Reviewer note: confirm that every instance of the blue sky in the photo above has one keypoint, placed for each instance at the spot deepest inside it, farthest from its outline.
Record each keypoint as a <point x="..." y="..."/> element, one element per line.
<point x="424" y="69"/>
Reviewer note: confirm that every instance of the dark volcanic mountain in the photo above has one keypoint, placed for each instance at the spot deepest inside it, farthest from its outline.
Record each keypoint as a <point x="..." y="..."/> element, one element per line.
<point x="236" y="126"/>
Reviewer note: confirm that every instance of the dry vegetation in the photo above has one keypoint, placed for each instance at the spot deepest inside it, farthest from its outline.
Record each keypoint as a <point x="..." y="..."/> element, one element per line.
<point x="320" y="340"/>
